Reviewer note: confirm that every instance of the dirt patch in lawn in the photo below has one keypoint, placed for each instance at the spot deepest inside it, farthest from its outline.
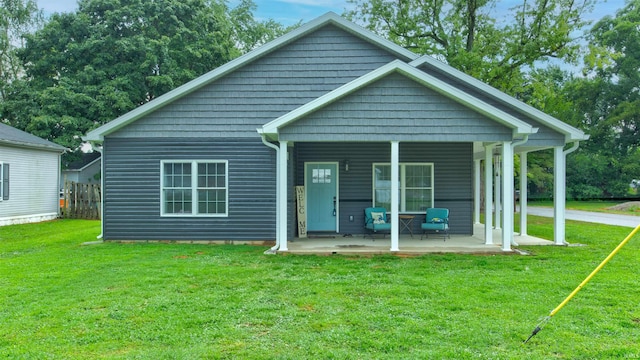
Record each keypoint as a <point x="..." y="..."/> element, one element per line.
<point x="627" y="206"/>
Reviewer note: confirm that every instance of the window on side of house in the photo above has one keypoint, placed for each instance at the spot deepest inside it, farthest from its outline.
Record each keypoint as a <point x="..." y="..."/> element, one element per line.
<point x="416" y="186"/>
<point x="4" y="181"/>
<point x="194" y="188"/>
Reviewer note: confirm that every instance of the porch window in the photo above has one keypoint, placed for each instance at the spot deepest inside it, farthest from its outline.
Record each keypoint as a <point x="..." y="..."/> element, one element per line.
<point x="416" y="186"/>
<point x="194" y="188"/>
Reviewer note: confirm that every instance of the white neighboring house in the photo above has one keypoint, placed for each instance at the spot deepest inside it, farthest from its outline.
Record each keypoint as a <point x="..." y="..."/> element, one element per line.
<point x="30" y="169"/>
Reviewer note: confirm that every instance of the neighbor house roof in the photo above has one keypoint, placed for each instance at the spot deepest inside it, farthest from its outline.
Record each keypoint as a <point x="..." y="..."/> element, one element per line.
<point x="86" y="160"/>
<point x="310" y="27"/>
<point x="14" y="137"/>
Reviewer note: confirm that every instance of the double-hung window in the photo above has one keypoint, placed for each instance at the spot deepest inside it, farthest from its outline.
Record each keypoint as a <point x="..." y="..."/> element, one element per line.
<point x="416" y="186"/>
<point x="194" y="188"/>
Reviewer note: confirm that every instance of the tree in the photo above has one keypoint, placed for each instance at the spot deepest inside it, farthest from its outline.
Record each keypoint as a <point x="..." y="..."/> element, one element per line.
<point x="17" y="17"/>
<point x="465" y="35"/>
<point x="606" y="105"/>
<point x="86" y="68"/>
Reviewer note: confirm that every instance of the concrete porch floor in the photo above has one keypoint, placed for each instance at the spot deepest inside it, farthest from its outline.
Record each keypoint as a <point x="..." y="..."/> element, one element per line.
<point x="357" y="245"/>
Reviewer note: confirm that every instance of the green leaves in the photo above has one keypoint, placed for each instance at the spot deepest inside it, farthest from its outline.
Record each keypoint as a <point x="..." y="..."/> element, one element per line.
<point x="463" y="33"/>
<point x="86" y="68"/>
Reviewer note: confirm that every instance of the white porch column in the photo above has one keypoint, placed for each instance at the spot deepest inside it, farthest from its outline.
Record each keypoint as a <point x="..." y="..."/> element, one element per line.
<point x="488" y="194"/>
<point x="524" y="168"/>
<point x="559" y="193"/>
<point x="476" y="195"/>
<point x="498" y="201"/>
<point x="395" y="180"/>
<point x="282" y="195"/>
<point x="507" y="195"/>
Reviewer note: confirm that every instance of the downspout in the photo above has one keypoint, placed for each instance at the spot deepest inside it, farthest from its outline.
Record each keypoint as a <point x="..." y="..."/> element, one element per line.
<point x="99" y="149"/>
<point x="572" y="149"/>
<point x="277" y="149"/>
<point x="523" y="141"/>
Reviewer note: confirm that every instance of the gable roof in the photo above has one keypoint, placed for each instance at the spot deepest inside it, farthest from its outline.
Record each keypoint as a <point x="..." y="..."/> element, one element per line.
<point x="86" y="160"/>
<point x="14" y="137"/>
<point x="329" y="18"/>
<point x="571" y="133"/>
<point x="518" y="126"/>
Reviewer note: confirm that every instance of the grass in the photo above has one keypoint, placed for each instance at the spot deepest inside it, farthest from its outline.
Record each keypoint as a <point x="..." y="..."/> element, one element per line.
<point x="63" y="300"/>
<point x="594" y="206"/>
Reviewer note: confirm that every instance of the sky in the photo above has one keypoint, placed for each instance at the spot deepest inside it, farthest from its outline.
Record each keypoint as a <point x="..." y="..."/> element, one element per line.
<point x="289" y="12"/>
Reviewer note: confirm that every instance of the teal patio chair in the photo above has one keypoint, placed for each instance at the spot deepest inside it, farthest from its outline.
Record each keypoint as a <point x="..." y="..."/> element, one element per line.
<point x="437" y="220"/>
<point x="375" y="221"/>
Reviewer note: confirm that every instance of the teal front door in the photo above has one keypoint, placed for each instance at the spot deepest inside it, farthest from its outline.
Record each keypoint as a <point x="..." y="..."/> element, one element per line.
<point x="321" y="184"/>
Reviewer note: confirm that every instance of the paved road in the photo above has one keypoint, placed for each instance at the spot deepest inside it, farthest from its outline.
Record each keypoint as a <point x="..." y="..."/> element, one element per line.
<point x="588" y="216"/>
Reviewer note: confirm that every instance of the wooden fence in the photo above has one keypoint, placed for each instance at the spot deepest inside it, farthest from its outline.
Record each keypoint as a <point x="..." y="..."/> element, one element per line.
<point x="81" y="201"/>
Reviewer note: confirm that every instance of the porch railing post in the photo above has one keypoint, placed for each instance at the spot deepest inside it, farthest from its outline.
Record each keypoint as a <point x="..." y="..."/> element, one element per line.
<point x="476" y="191"/>
<point x="395" y="179"/>
<point x="559" y="193"/>
<point x="523" y="193"/>
<point x="282" y="196"/>
<point x="488" y="194"/>
<point x="507" y="195"/>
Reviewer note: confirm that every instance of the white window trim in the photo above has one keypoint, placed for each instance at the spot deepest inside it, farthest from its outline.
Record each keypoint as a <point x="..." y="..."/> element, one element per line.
<point x="402" y="187"/>
<point x="194" y="188"/>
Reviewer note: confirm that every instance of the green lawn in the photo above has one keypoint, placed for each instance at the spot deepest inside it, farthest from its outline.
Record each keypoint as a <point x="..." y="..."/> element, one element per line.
<point x="596" y="206"/>
<point x="62" y="300"/>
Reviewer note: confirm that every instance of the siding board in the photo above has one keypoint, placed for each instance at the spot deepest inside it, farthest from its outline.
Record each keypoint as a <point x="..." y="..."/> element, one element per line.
<point x="132" y="190"/>
<point x="545" y="137"/>
<point x="34" y="181"/>
<point x="265" y="89"/>
<point x="396" y="108"/>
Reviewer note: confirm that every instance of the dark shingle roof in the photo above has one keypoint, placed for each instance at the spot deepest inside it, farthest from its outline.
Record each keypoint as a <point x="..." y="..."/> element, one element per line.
<point x="85" y="159"/>
<point x="14" y="137"/>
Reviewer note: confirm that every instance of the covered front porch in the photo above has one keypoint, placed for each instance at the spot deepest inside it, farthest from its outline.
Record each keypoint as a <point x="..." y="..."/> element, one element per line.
<point x="411" y="245"/>
<point x="405" y="140"/>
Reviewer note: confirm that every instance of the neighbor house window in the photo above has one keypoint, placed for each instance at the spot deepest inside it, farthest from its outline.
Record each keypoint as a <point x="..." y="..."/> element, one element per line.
<point x="194" y="188"/>
<point x="416" y="186"/>
<point x="4" y="181"/>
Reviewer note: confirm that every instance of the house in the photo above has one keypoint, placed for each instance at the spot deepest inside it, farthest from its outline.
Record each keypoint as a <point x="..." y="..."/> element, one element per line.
<point x="355" y="119"/>
<point x="85" y="170"/>
<point x="30" y="169"/>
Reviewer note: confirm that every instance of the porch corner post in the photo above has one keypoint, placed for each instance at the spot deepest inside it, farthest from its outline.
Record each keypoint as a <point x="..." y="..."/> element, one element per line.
<point x="395" y="179"/>
<point x="559" y="193"/>
<point x="488" y="194"/>
<point x="497" y="193"/>
<point x="524" y="169"/>
<point x="282" y="194"/>
<point x="507" y="196"/>
<point x="476" y="190"/>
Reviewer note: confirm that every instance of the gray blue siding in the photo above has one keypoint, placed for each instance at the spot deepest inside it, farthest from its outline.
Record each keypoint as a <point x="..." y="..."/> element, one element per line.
<point x="544" y="138"/>
<point x="396" y="108"/>
<point x="132" y="190"/>
<point x="453" y="171"/>
<point x="235" y="105"/>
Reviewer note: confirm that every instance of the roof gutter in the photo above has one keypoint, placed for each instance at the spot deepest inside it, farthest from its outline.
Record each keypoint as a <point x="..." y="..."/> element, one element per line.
<point x="275" y="248"/>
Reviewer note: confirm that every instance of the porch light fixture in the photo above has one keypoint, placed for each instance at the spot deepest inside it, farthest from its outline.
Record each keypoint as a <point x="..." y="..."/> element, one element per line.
<point x="346" y="165"/>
